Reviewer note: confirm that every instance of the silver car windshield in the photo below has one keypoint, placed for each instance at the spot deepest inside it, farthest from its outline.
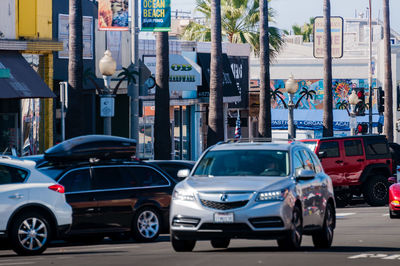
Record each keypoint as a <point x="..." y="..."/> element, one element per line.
<point x="244" y="163"/>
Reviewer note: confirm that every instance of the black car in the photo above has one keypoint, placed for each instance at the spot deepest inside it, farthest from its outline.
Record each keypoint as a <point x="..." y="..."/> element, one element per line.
<point x="172" y="167"/>
<point x="109" y="193"/>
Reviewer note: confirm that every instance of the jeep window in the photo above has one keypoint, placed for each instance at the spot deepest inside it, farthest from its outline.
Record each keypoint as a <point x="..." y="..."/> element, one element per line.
<point x="331" y="148"/>
<point x="353" y="147"/>
<point x="11" y="175"/>
<point x="76" y="181"/>
<point x="244" y="163"/>
<point x="376" y="148"/>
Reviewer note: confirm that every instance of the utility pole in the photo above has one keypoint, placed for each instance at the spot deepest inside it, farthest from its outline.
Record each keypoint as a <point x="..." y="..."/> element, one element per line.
<point x="370" y="72"/>
<point x="134" y="87"/>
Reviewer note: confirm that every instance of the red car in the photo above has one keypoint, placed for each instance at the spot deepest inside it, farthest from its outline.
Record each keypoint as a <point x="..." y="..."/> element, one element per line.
<point x="394" y="199"/>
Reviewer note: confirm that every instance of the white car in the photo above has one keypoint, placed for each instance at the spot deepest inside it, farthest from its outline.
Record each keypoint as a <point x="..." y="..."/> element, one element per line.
<point x="33" y="209"/>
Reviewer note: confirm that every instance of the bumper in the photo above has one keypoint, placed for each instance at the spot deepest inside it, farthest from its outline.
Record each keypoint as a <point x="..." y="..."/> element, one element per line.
<point x="256" y="220"/>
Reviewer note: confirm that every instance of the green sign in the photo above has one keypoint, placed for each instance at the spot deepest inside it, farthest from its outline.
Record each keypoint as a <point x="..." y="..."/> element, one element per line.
<point x="156" y="15"/>
<point x="4" y="73"/>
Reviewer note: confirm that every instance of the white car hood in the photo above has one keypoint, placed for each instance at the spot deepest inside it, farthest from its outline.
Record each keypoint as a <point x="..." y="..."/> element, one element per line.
<point x="236" y="183"/>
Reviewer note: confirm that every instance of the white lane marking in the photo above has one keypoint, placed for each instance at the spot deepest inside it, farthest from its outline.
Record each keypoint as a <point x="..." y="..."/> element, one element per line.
<point x="91" y="249"/>
<point x="343" y="214"/>
<point x="18" y="263"/>
<point x="367" y="255"/>
<point x="392" y="257"/>
<point x="387" y="214"/>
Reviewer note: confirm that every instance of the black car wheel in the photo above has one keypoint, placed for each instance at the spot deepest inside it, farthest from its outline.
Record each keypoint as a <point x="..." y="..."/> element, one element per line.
<point x="220" y="243"/>
<point x="30" y="234"/>
<point x="146" y="225"/>
<point x="182" y="245"/>
<point x="376" y="190"/>
<point x="292" y="241"/>
<point x="323" y="238"/>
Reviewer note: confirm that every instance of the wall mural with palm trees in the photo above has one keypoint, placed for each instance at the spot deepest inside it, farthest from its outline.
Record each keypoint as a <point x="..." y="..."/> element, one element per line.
<point x="311" y="92"/>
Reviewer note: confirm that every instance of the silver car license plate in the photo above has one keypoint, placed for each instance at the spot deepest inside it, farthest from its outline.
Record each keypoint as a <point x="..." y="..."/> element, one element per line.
<point x="223" y="217"/>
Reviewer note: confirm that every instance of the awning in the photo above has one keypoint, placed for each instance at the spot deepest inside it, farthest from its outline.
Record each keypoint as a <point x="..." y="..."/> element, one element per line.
<point x="22" y="81"/>
<point x="311" y="119"/>
<point x="230" y="92"/>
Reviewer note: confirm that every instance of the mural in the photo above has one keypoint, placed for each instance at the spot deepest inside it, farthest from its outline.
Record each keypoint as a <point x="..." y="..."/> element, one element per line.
<point x="311" y="92"/>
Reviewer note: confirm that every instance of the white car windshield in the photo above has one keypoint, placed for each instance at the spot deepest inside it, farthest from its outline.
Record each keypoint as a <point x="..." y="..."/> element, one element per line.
<point x="244" y="163"/>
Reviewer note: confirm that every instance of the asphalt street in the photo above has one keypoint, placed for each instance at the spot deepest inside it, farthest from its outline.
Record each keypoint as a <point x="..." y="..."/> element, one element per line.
<point x="364" y="236"/>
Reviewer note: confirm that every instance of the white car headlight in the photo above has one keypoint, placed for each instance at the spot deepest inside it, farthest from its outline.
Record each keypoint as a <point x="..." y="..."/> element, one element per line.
<point x="272" y="195"/>
<point x="183" y="195"/>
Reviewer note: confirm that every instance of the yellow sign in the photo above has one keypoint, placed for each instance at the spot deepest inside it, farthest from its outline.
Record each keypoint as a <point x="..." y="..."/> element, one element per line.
<point x="336" y="37"/>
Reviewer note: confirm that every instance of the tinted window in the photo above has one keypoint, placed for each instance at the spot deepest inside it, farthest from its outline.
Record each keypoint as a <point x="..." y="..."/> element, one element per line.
<point x="353" y="147"/>
<point x="76" y="181"/>
<point x="11" y="175"/>
<point x="148" y="176"/>
<point x="107" y="178"/>
<point x="377" y="148"/>
<point x="331" y="148"/>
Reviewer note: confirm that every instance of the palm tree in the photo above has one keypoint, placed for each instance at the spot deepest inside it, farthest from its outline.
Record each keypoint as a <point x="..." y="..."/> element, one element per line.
<point x="162" y="128"/>
<point x="215" y="131"/>
<point x="327" y="102"/>
<point x="305" y="93"/>
<point x="264" y="115"/>
<point x="75" y="125"/>
<point x="88" y="75"/>
<point x="278" y="94"/>
<point x="240" y="24"/>
<point x="387" y="83"/>
<point x="125" y="74"/>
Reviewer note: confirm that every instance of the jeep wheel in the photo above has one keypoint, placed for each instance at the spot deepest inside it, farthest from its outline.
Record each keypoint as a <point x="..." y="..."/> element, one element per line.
<point x="376" y="190"/>
<point x="292" y="240"/>
<point x="323" y="238"/>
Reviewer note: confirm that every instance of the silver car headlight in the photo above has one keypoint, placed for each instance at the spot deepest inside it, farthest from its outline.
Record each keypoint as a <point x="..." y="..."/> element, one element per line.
<point x="183" y="195"/>
<point x="276" y="195"/>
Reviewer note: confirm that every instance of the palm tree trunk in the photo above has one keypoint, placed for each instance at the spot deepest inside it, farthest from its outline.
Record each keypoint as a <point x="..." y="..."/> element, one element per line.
<point x="74" y="121"/>
<point x="328" y="101"/>
<point x="162" y="127"/>
<point x="387" y="83"/>
<point x="264" y="116"/>
<point x="215" y="130"/>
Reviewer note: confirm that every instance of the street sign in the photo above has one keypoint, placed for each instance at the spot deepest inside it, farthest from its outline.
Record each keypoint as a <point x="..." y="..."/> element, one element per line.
<point x="336" y="37"/>
<point x="106" y="106"/>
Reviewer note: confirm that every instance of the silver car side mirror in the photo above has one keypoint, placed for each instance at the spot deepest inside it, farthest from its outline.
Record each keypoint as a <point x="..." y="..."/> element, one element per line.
<point x="183" y="173"/>
<point x="305" y="174"/>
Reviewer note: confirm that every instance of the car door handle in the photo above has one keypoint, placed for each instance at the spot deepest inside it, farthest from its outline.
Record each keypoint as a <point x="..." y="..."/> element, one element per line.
<point x="16" y="196"/>
<point x="360" y="160"/>
<point x="339" y="161"/>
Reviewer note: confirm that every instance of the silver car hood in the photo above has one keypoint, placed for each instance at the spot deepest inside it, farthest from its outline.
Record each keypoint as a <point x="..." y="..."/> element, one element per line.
<point x="236" y="183"/>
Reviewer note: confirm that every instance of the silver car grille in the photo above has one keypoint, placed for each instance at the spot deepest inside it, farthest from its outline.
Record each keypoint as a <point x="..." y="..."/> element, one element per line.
<point x="223" y="205"/>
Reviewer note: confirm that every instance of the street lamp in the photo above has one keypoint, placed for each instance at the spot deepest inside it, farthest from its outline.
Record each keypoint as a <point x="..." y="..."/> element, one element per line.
<point x="107" y="66"/>
<point x="291" y="87"/>
<point x="353" y="101"/>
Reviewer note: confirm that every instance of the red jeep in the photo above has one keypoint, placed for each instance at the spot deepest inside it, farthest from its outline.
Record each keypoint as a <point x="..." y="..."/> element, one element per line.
<point x="357" y="165"/>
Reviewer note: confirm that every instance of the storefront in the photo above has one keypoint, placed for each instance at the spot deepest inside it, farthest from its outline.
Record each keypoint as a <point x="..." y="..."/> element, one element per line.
<point x="20" y="107"/>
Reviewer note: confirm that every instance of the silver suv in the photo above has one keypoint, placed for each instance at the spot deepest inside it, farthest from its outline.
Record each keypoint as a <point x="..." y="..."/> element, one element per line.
<point x="253" y="191"/>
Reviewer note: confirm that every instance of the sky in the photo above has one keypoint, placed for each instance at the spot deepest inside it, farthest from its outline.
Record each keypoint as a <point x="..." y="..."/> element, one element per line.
<point x="290" y="12"/>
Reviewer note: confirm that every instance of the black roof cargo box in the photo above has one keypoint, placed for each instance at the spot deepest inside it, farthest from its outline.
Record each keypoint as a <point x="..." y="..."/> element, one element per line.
<point x="92" y="146"/>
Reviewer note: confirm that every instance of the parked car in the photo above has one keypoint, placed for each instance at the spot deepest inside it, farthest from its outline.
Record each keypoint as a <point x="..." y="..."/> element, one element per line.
<point x="357" y="165"/>
<point x="110" y="194"/>
<point x="172" y="167"/>
<point x="394" y="198"/>
<point x="254" y="190"/>
<point x="33" y="207"/>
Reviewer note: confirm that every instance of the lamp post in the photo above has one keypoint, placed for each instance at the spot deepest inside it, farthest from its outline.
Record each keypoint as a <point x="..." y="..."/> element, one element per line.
<point x="107" y="66"/>
<point x="353" y="100"/>
<point x="291" y="87"/>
